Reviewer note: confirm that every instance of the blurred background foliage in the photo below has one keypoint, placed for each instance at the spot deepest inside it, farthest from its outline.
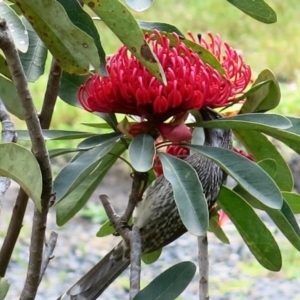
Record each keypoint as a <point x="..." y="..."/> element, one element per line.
<point x="275" y="46"/>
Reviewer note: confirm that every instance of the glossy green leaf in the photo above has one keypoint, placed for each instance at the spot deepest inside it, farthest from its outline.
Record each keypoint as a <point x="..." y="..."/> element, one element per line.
<point x="248" y="174"/>
<point x="169" y="284"/>
<point x="254" y="232"/>
<point x="198" y="136"/>
<point x="188" y="193"/>
<point x="4" y="287"/>
<point x="139" y="5"/>
<point x="159" y="26"/>
<point x="269" y="165"/>
<point x="106" y="229"/>
<point x="267" y="123"/>
<point x="257" y="9"/>
<point x="217" y="230"/>
<point x="289" y="136"/>
<point x="261" y="148"/>
<point x="34" y="60"/>
<point x="141" y="152"/>
<point x="266" y="97"/>
<point x="78" y="170"/>
<point x="118" y="18"/>
<point x="82" y="20"/>
<point x="283" y="218"/>
<point x="15" y="25"/>
<point x="71" y="204"/>
<point x="74" y="49"/>
<point x="150" y="258"/>
<point x="4" y="70"/>
<point x="97" y="140"/>
<point x="97" y="125"/>
<point x="50" y="134"/>
<point x="293" y="200"/>
<point x="61" y="151"/>
<point x="20" y="164"/>
<point x="10" y="98"/>
<point x="68" y="89"/>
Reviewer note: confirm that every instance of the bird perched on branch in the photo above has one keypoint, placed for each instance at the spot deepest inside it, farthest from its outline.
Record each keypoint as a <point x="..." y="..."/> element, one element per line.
<point x="157" y="216"/>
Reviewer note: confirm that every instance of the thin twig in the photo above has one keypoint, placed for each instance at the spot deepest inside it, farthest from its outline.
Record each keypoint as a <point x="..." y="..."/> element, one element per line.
<point x="50" y="94"/>
<point x="48" y="252"/>
<point x="13" y="231"/>
<point x="115" y="220"/>
<point x="203" y="267"/>
<point x="135" y="260"/>
<point x="139" y="184"/>
<point x="132" y="238"/>
<point x="41" y="154"/>
<point x="8" y="135"/>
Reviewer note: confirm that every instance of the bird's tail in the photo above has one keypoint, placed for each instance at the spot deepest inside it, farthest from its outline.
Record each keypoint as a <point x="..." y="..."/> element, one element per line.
<point x="93" y="283"/>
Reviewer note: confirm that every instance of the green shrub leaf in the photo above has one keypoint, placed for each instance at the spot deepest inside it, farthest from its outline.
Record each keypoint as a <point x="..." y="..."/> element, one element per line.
<point x="169" y="284"/>
<point x="188" y="193"/>
<point x="261" y="148"/>
<point x="247" y="173"/>
<point x="253" y="231"/>
<point x="257" y="9"/>
<point x="141" y="152"/>
<point x="266" y="97"/>
<point x="73" y="203"/>
<point x="74" y="49"/>
<point x="20" y="164"/>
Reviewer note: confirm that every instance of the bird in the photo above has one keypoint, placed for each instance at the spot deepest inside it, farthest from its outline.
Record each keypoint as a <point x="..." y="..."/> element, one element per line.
<point x="157" y="216"/>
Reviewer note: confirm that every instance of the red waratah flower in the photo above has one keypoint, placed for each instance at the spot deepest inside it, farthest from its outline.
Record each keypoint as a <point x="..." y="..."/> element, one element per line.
<point x="243" y="153"/>
<point x="191" y="84"/>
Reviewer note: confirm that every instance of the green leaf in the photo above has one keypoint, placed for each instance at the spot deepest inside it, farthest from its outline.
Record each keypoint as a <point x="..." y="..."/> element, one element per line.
<point x="117" y="17"/>
<point x="21" y="165"/>
<point x="16" y="27"/>
<point x="159" y="26"/>
<point x="266" y="97"/>
<point x="141" y="152"/>
<point x="8" y="94"/>
<point x="150" y="258"/>
<point x="261" y="148"/>
<point x="198" y="137"/>
<point x="169" y="284"/>
<point x="283" y="218"/>
<point x="293" y="201"/>
<point x="290" y="136"/>
<point x="4" y="70"/>
<point x="217" y="230"/>
<point x="256" y="235"/>
<point x="62" y="151"/>
<point x="82" y="20"/>
<point x="77" y="171"/>
<point x="50" y="134"/>
<point x="4" y="287"/>
<point x="97" y="125"/>
<point x="248" y="174"/>
<point x="34" y="60"/>
<point x="140" y="5"/>
<point x="68" y="89"/>
<point x="97" y="140"/>
<point x="257" y="9"/>
<point x="188" y="193"/>
<point x="71" y="204"/>
<point x="106" y="229"/>
<point x="74" y="49"/>
<point x="267" y="123"/>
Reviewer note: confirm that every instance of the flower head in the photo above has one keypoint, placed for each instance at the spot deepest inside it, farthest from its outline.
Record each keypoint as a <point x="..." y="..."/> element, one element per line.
<point x="191" y="84"/>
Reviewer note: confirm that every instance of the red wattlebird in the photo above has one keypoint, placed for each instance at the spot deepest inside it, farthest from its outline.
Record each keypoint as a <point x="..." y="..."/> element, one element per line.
<point x="157" y="216"/>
